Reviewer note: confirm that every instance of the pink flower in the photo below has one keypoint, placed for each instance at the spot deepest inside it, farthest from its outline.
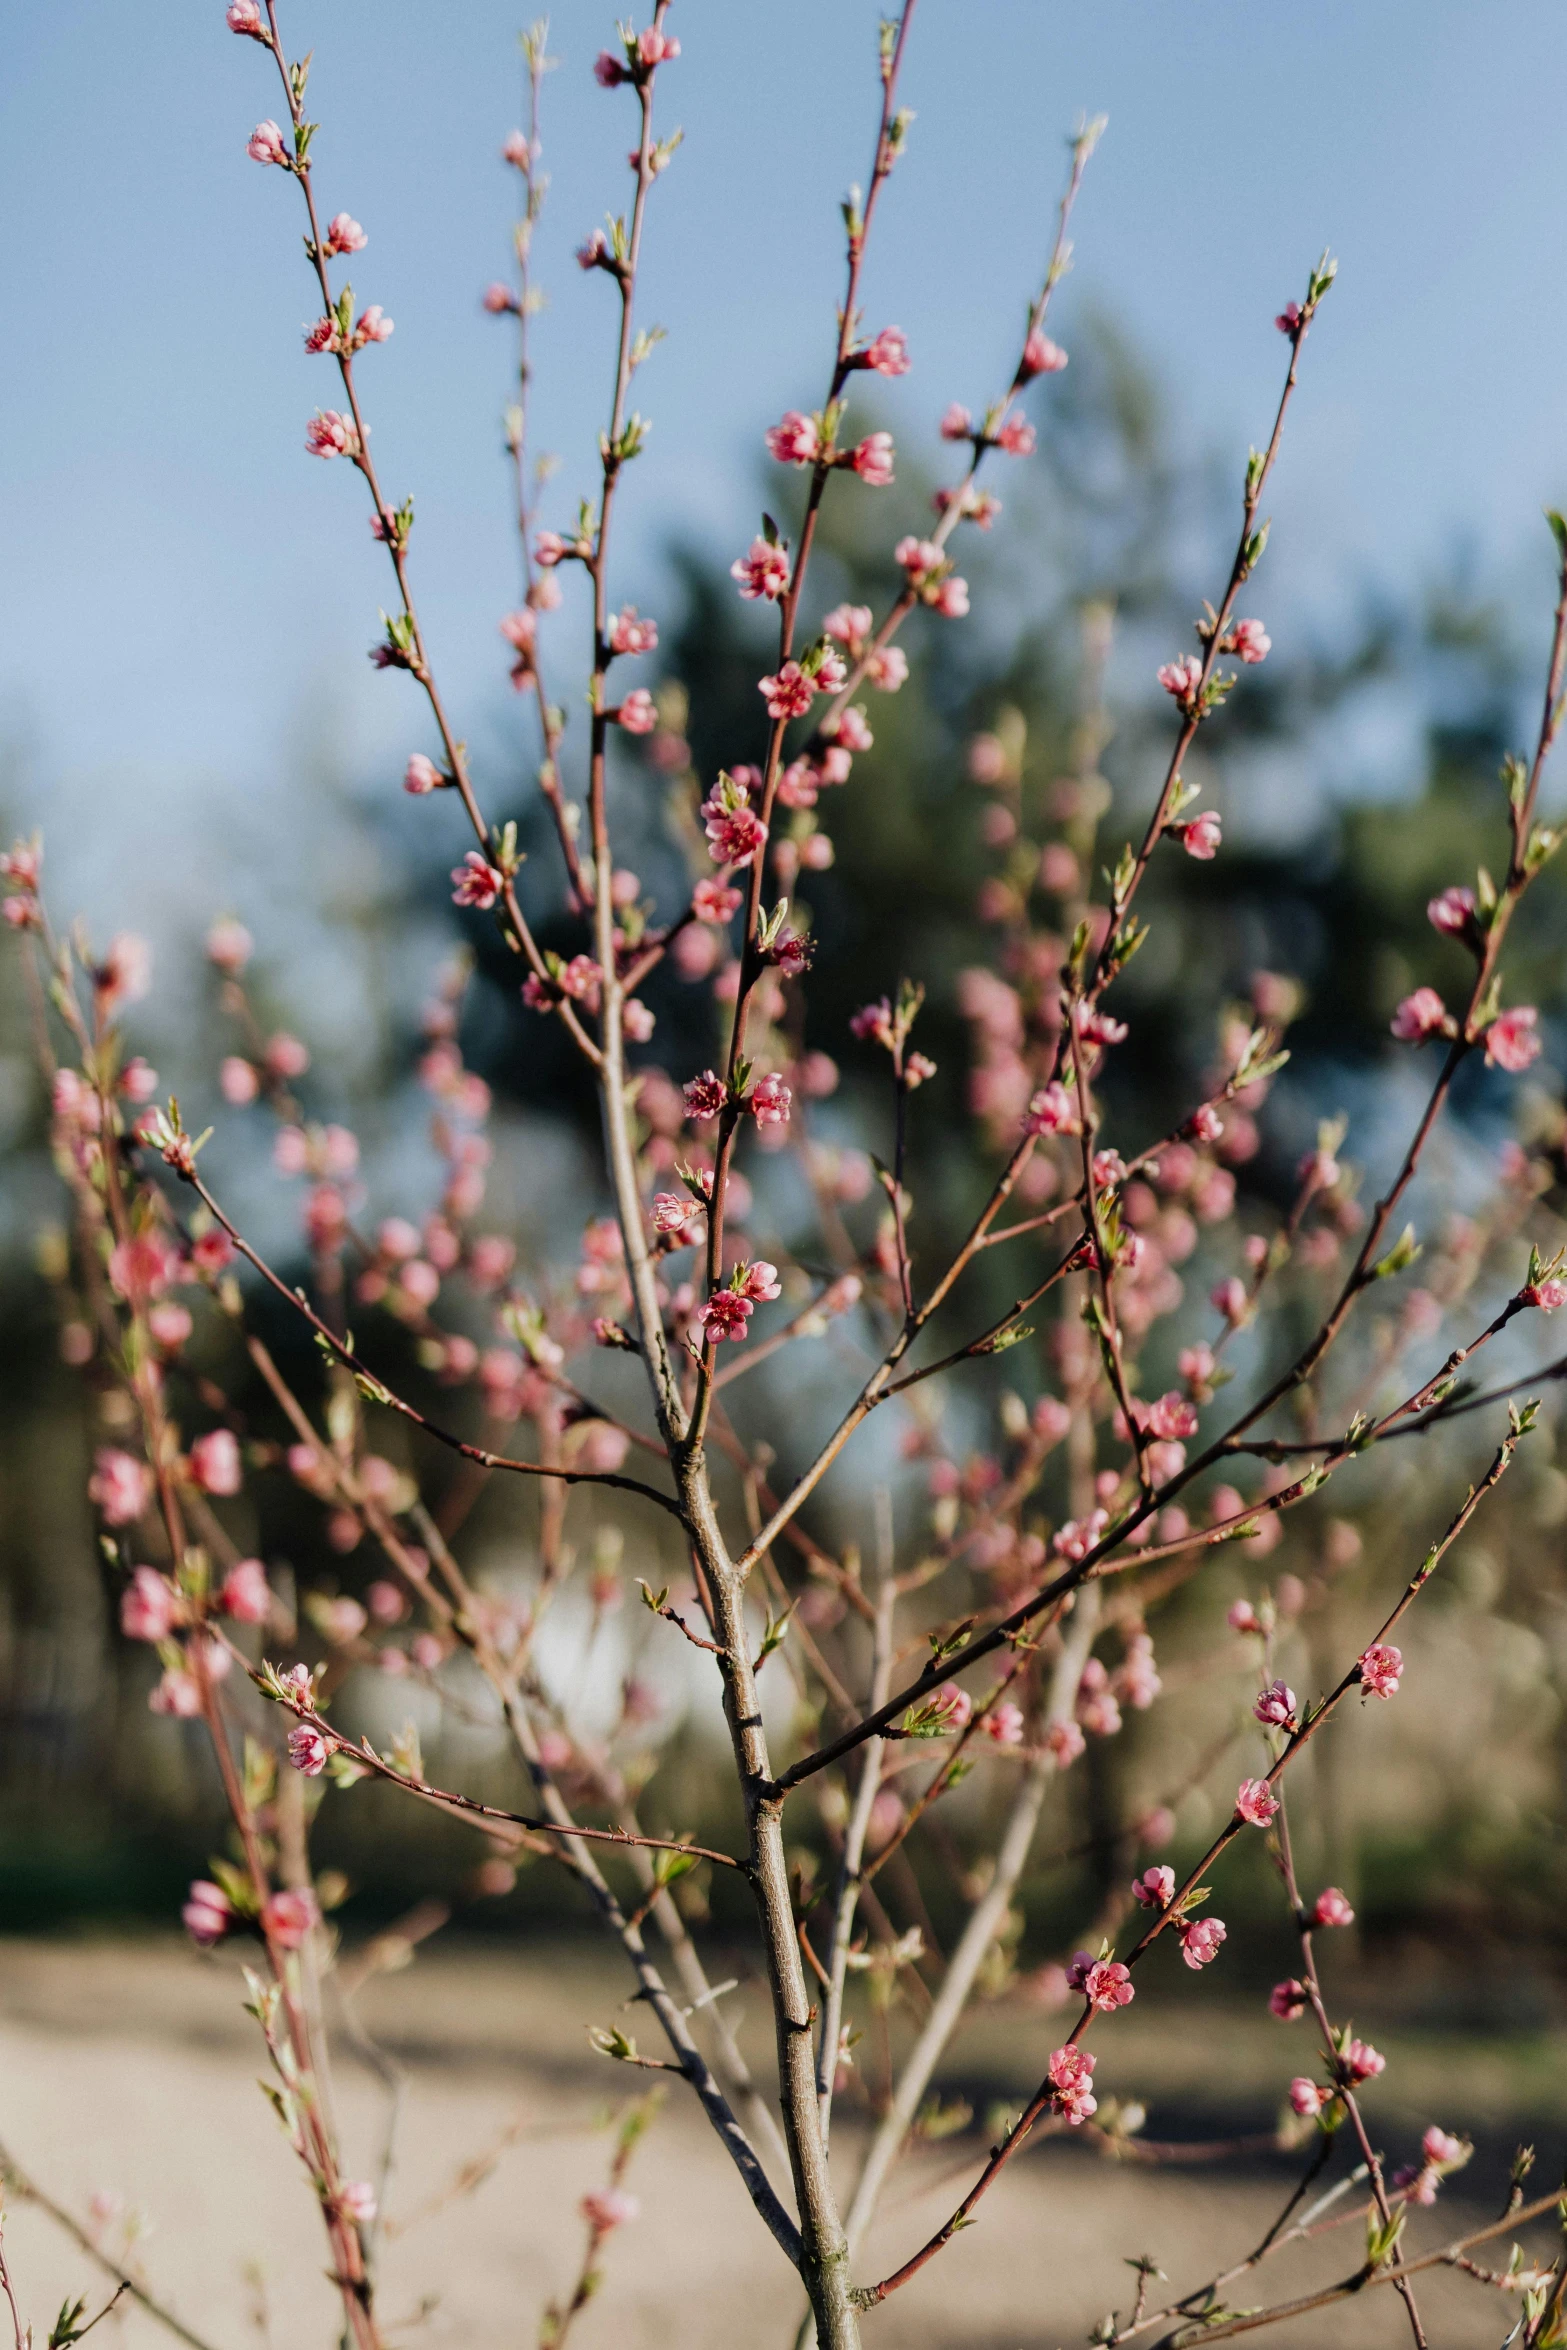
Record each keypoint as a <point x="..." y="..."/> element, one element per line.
<point x="1547" y="1295"/>
<point x="244" y="1594"/>
<point x="497" y="298"/>
<point x="1251" y="641"/>
<point x="956" y="423"/>
<point x="1306" y="2098"/>
<point x="608" y="2207"/>
<point x="214" y="1462"/>
<point x="307" y="1750"/>
<point x="208" y="1912"/>
<point x="1015" y="436"/>
<point x="149" y="1606"/>
<point x="1363" y="2062"/>
<point x="1331" y="1908"/>
<point x="656" y="48"/>
<point x="121" y="1486"/>
<point x="1255" y="1802"/>
<point x="373" y="325"/>
<point x="1041" y="356"/>
<point x="1171" y="1417"/>
<point x="1288" y="320"/>
<point x="229" y="945"/>
<point x="290" y="1916"/>
<point x="1243" y="1617"/>
<point x="344" y="234"/>
<point x="1066" y="1742"/>
<point x="549" y="548"/>
<point x="1104" y="1983"/>
<point x="1200" y="1939"/>
<point x="1287" y="2000"/>
<point x="1453" y="913"/>
<point x="478" y="881"/>
<point x="1181" y="679"/>
<point x="789" y="693"/>
<point x="1070" y="2074"/>
<point x="1155" y="1888"/>
<point x="724" y="1315"/>
<point x="265" y="144"/>
<point x="629" y="634"/>
<point x="1052" y="1111"/>
<point x="244" y="16"/>
<point x="705" y="1096"/>
<point x="1276" y="1706"/>
<point x="1203" y="837"/>
<point x="887" y="353"/>
<point x="1380" y="1669"/>
<point x="355" y="2199"/>
<point x="763" y="570"/>
<point x="177" y="1694"/>
<point x="734" y="831"/>
<point x="637" y="713"/>
<point x="950" y="599"/>
<point x="953" y="1707"/>
<point x="422" y="775"/>
<point x="768" y="1101"/>
<point x="1420" y="1015"/>
<point x="608" y="70"/>
<point x="1003" y="1725"/>
<point x="329" y="434"/>
<point x="888" y="668"/>
<point x="794" y="441"/>
<point x="1444" y="2150"/>
<point x="1229" y="1299"/>
<point x="872" y="460"/>
<point x="715" y="901"/>
<point x="759" y="1282"/>
<point x="1510" y="1041"/>
<point x="125" y="974"/>
<point x="1078" y="1536"/>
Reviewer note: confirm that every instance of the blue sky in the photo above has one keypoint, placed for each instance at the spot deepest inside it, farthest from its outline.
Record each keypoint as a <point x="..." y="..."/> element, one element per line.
<point x="183" y="581"/>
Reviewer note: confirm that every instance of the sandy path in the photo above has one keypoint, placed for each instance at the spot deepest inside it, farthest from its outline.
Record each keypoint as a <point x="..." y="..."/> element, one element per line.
<point x="130" y="2068"/>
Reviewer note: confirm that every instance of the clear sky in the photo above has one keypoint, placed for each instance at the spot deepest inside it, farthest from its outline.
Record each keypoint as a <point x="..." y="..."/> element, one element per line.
<point x="182" y="579"/>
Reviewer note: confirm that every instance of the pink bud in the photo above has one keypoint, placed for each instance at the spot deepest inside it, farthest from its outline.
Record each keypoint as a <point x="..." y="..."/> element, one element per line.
<point x="290" y="1916"/>
<point x="1287" y="2000"/>
<point x="1420" y="1015"/>
<point x="1511" y="1042"/>
<point x="422" y="775"/>
<point x="344" y="234"/>
<point x="307" y="1750"/>
<point x="265" y="144"/>
<point x="498" y="299"/>
<point x="214" y="1462"/>
<point x="244" y="1594"/>
<point x="1331" y="1908"/>
<point x="887" y="353"/>
<point x="1041" y="356"/>
<point x="1306" y="2098"/>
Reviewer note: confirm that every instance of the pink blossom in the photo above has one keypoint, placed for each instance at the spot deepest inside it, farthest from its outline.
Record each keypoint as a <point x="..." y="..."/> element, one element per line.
<point x="636" y="713"/>
<point x="1289" y="319"/>
<point x="873" y="1023"/>
<point x="498" y="298"/>
<point x="244" y="1594"/>
<point x="1070" y="2073"/>
<point x="1380" y="1669"/>
<point x="1181" y="679"/>
<point x="238" y="1081"/>
<point x="888" y="668"/>
<point x="373" y="326"/>
<point x="1331" y="1908"/>
<point x="1003" y="1725"/>
<point x="1243" y="1617"/>
<point x="344" y="234"/>
<point x="1255" y="1802"/>
<point x="872" y="460"/>
<point x="355" y="2199"/>
<point x="121" y="1487"/>
<point x="549" y="548"/>
<point x="950" y="599"/>
<point x="654" y="48"/>
<point x="265" y="144"/>
<point x="1420" y="1015"/>
<point x="1066" y="1742"/>
<point x="330" y="434"/>
<point x="422" y="775"/>
<point x="1547" y="1295"/>
<point x="1306" y="2098"/>
<point x="1052" y="1111"/>
<point x="608" y="70"/>
<point x="212" y="1253"/>
<point x="1155" y="1888"/>
<point x="605" y="2208"/>
<point x="637" y="1020"/>
<point x="759" y="1282"/>
<point x="208" y="1912"/>
<point x="1104" y="1983"/>
<point x="789" y="693"/>
<point x="149" y="1606"/>
<point x="953" y="1707"/>
<point x="794" y="441"/>
<point x="214" y="1462"/>
<point x="1363" y="2062"/>
<point x="125" y="974"/>
<point x="1041" y="356"/>
<point x="308" y="1750"/>
<point x="1203" y="837"/>
<point x="1251" y="641"/>
<point x="1288" y="2000"/>
<point x="629" y="634"/>
<point x="229" y="945"/>
<point x="244" y="16"/>
<point x="285" y="1056"/>
<point x="1453" y="913"/>
<point x="1511" y="1042"/>
<point x="715" y="901"/>
<point x="724" y="1315"/>
<point x="768" y="1101"/>
<point x="479" y="883"/>
<point x="1171" y="1417"/>
<point x="1229" y="1299"/>
<point x="762" y="571"/>
<point x="1079" y="1535"/>
<point x="887" y="353"/>
<point x="1444" y="2150"/>
<point x="705" y="1096"/>
<point x="177" y="1694"/>
<point x="290" y="1916"/>
<point x="1276" y="1706"/>
<point x="1015" y="436"/>
<point x="1200" y="1939"/>
<point x="734" y="835"/>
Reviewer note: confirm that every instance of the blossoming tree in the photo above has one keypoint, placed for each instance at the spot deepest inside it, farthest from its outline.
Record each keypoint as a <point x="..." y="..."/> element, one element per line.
<point x="1101" y="1497"/>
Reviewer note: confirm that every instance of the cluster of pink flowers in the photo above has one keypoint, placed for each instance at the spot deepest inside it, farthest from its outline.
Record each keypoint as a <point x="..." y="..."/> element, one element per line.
<point x="1380" y="1669"/>
<point x="1105" y="1983"/>
<point x="726" y="1312"/>
<point x="1070" y="2072"/>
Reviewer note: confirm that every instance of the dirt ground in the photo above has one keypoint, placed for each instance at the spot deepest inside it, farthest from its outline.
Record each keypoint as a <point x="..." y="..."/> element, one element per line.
<point x="128" y="2070"/>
